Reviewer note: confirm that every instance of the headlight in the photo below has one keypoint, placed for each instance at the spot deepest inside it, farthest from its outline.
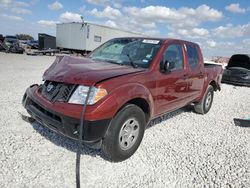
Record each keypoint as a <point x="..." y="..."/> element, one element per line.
<point x="80" y="95"/>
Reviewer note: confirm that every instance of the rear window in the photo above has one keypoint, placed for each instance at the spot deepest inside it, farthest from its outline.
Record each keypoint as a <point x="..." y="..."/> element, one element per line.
<point x="193" y="57"/>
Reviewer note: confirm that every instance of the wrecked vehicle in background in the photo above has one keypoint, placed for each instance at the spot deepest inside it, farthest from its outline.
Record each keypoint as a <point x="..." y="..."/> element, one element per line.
<point x="1" y="43"/>
<point x="1" y="38"/>
<point x="33" y="44"/>
<point x="11" y="45"/>
<point x="237" y="71"/>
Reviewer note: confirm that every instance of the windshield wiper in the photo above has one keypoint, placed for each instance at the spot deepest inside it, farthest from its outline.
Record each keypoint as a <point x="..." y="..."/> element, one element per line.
<point x="131" y="61"/>
<point x="107" y="60"/>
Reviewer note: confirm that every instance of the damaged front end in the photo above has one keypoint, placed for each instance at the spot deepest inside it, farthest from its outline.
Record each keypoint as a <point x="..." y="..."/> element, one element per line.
<point x="238" y="70"/>
<point x="237" y="76"/>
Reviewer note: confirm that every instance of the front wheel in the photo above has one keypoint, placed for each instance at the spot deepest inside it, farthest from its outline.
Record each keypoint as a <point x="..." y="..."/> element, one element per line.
<point x="124" y="134"/>
<point x="205" y="104"/>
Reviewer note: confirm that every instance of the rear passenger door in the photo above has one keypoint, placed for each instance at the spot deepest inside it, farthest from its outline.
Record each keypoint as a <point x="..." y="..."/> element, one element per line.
<point x="195" y="72"/>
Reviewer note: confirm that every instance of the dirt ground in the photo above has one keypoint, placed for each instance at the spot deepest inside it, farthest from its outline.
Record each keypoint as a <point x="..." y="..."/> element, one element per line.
<point x="180" y="149"/>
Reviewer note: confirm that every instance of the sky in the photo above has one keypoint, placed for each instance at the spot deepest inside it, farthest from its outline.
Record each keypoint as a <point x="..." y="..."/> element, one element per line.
<point x="221" y="27"/>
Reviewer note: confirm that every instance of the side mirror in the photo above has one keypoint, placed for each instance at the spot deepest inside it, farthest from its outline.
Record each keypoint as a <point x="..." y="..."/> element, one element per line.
<point x="167" y="66"/>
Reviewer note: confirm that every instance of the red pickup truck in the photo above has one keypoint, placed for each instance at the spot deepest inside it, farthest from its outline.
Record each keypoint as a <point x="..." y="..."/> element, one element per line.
<point x="127" y="82"/>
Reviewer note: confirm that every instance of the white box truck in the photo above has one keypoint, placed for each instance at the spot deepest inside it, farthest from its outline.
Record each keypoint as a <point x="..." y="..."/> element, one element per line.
<point x="85" y="37"/>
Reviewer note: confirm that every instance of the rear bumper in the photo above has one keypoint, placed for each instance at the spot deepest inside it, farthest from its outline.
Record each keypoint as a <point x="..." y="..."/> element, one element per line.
<point x="68" y="126"/>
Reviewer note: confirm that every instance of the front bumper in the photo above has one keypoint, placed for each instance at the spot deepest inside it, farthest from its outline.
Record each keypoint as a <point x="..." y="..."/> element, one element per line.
<point x="93" y="131"/>
<point x="236" y="81"/>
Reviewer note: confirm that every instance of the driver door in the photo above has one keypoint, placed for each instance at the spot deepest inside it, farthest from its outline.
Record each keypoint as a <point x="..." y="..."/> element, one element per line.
<point x="171" y="85"/>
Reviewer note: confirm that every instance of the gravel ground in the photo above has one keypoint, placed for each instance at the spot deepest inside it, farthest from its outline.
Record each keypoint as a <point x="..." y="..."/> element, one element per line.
<point x="181" y="149"/>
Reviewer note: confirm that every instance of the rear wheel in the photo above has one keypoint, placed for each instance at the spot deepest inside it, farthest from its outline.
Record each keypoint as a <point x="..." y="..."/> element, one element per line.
<point x="124" y="134"/>
<point x="205" y="104"/>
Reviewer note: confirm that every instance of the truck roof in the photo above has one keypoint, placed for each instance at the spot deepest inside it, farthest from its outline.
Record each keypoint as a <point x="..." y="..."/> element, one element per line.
<point x="164" y="40"/>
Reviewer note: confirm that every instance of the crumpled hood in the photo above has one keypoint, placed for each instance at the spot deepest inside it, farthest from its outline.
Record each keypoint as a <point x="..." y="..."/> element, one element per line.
<point x="85" y="71"/>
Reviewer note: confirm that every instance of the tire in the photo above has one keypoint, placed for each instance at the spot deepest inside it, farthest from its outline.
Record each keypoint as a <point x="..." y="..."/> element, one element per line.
<point x="205" y="104"/>
<point x="124" y="134"/>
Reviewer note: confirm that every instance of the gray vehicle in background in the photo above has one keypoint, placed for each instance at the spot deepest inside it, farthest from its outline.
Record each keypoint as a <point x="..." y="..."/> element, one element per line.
<point x="237" y="71"/>
<point x="11" y="45"/>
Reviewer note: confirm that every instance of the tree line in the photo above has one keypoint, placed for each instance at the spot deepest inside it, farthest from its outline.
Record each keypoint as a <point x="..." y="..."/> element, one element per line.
<point x="24" y="37"/>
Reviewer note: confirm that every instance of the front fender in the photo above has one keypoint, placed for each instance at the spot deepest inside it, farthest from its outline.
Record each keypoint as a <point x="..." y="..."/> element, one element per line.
<point x="116" y="99"/>
<point x="131" y="91"/>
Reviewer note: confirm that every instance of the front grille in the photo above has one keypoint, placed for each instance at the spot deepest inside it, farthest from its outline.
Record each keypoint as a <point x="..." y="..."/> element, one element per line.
<point x="52" y="115"/>
<point x="56" y="91"/>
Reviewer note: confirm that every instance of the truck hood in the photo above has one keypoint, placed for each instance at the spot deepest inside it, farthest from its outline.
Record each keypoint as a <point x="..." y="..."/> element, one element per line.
<point x="85" y="71"/>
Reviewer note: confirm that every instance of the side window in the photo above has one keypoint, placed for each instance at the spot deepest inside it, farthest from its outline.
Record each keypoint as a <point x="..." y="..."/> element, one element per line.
<point x="174" y="54"/>
<point x="193" y="57"/>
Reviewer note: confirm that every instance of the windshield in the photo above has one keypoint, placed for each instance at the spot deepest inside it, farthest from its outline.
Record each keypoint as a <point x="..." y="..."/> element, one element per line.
<point x="128" y="51"/>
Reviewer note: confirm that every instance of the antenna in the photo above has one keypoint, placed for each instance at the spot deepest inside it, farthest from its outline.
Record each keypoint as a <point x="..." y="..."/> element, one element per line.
<point x="83" y="24"/>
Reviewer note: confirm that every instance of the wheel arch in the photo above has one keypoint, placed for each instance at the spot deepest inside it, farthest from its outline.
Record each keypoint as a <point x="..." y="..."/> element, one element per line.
<point x="137" y="94"/>
<point x="215" y="86"/>
<point x="143" y="104"/>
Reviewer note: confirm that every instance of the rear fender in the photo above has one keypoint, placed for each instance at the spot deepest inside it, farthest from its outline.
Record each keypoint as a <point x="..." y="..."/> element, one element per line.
<point x="210" y="81"/>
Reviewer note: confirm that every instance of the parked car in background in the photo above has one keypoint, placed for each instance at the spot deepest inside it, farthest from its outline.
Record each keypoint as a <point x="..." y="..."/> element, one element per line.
<point x="124" y="84"/>
<point x="23" y="43"/>
<point x="1" y="38"/>
<point x="33" y="44"/>
<point x="10" y="39"/>
<point x="11" y="45"/>
<point x="1" y="43"/>
<point x="237" y="71"/>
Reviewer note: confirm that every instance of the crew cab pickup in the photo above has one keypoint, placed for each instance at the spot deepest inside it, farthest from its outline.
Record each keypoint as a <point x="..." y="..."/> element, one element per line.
<point x="123" y="85"/>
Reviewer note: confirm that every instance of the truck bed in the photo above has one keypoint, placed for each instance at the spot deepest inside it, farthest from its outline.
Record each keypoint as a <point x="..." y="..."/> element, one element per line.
<point x="208" y="65"/>
<point x="214" y="72"/>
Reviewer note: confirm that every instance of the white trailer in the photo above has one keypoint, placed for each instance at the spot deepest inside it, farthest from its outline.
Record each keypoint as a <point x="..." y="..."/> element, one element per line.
<point x="86" y="36"/>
